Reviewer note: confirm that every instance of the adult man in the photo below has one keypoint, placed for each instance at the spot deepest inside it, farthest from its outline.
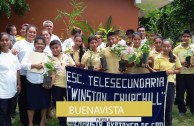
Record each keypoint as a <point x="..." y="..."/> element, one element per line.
<point x="48" y="25"/>
<point x="142" y="30"/>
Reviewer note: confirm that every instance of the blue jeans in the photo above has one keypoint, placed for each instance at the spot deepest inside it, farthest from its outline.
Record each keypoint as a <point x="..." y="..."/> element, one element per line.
<point x="6" y="106"/>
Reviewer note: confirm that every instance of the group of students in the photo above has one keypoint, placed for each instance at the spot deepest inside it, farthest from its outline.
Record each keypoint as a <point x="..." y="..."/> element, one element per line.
<point x="34" y="99"/>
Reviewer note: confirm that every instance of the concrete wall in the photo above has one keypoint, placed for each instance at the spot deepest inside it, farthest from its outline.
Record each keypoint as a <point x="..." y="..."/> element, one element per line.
<point x="123" y="12"/>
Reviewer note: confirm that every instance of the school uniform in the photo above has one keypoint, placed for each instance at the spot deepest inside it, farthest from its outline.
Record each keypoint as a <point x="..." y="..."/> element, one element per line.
<point x="184" y="80"/>
<point x="37" y="96"/>
<point x="95" y="57"/>
<point x="112" y="61"/>
<point x="59" y="91"/>
<point x="23" y="47"/>
<point x="162" y="63"/>
<point x="9" y="66"/>
<point x="75" y="56"/>
<point x="67" y="44"/>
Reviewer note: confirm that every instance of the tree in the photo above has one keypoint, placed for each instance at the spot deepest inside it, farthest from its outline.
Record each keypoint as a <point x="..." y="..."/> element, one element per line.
<point x="20" y="7"/>
<point x="171" y="20"/>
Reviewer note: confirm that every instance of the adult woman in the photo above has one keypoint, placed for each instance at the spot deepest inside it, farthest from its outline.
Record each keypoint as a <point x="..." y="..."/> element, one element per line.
<point x="9" y="80"/>
<point x="47" y="35"/>
<point x="21" y="48"/>
<point x="38" y="98"/>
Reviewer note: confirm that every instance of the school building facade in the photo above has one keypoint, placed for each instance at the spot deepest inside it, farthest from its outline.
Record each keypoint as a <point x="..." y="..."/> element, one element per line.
<point x="124" y="13"/>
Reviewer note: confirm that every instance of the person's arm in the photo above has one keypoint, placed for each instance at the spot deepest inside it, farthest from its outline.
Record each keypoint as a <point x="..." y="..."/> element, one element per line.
<point x="18" y="82"/>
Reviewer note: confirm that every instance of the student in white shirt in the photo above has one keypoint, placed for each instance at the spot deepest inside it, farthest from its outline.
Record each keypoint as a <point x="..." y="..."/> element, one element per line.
<point x="21" y="48"/>
<point x="9" y="79"/>
<point x="38" y="98"/>
<point x="68" y="43"/>
<point x="101" y="44"/>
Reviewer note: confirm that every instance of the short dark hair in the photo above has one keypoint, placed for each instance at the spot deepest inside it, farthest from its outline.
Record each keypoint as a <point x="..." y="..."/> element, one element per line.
<point x="9" y="28"/>
<point x="40" y="38"/>
<point x="111" y="34"/>
<point x="55" y="41"/>
<point x="187" y="32"/>
<point x="75" y="31"/>
<point x="141" y="26"/>
<point x="136" y="33"/>
<point x="129" y="31"/>
<point x="29" y="26"/>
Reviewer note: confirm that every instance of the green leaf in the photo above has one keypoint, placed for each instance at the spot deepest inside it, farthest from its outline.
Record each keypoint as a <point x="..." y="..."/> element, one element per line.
<point x="109" y="21"/>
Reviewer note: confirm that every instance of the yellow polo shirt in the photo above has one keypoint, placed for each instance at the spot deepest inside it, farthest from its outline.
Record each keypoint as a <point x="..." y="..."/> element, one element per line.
<point x="162" y="63"/>
<point x="95" y="59"/>
<point x="60" y="75"/>
<point x="112" y="61"/>
<point x="153" y="53"/>
<point x="76" y="56"/>
<point x="182" y="53"/>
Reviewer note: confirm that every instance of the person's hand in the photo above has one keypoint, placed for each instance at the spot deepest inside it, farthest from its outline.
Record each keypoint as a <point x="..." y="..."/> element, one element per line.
<point x="19" y="88"/>
<point x="144" y="65"/>
<point x="169" y="72"/>
<point x="38" y="66"/>
<point x="14" y="51"/>
<point x="47" y="86"/>
<point x="185" y="64"/>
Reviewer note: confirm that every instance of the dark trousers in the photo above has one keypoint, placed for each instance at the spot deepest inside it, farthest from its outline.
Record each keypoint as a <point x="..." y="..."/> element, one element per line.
<point x="59" y="94"/>
<point x="22" y="101"/>
<point x="22" y="104"/>
<point x="13" y="107"/>
<point x="185" y="82"/>
<point x="169" y="103"/>
<point x="6" y="106"/>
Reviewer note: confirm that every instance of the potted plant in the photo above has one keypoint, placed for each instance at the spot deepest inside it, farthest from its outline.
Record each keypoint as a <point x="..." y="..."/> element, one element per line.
<point x="140" y="55"/>
<point x="118" y="50"/>
<point x="103" y="61"/>
<point x="90" y="61"/>
<point x="188" y="57"/>
<point x="50" y="67"/>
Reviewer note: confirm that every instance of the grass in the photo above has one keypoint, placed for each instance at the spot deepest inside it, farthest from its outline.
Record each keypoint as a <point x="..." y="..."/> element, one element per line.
<point x="187" y="120"/>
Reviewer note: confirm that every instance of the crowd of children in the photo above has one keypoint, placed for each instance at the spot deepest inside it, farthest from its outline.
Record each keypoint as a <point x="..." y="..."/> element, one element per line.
<point x="34" y="99"/>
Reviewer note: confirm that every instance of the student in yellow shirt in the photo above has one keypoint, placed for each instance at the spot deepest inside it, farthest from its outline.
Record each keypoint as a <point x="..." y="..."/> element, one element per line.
<point x="22" y="33"/>
<point x="92" y="57"/>
<point x="184" y="80"/>
<point x="167" y="61"/>
<point x="59" y="77"/>
<point x="77" y="51"/>
<point x="111" y="58"/>
<point x="156" y="50"/>
<point x="141" y="67"/>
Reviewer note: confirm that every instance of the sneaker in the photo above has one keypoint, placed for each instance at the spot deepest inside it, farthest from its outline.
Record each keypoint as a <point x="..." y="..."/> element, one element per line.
<point x="181" y="114"/>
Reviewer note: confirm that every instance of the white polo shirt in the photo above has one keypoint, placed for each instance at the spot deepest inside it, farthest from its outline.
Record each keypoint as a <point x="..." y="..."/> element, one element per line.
<point x="9" y="65"/>
<point x="23" y="47"/>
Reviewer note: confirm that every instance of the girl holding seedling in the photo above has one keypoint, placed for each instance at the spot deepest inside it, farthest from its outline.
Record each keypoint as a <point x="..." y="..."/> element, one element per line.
<point x="91" y="59"/>
<point x="59" y="91"/>
<point x="140" y="62"/>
